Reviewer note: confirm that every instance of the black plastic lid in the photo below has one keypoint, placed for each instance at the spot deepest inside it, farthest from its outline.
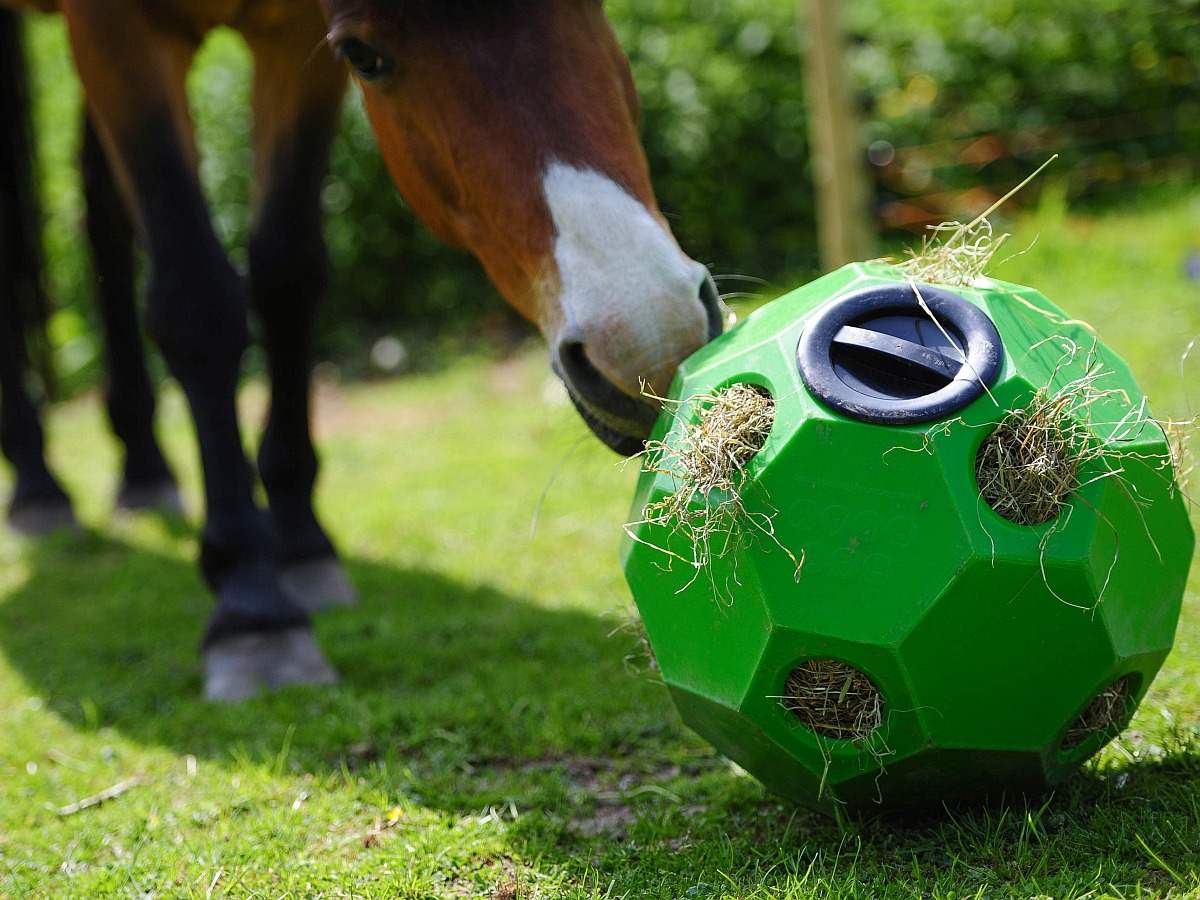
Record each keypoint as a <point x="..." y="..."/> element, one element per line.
<point x="878" y="356"/>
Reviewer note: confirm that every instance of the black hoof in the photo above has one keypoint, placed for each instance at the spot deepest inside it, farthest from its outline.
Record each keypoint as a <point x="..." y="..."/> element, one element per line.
<point x="42" y="517"/>
<point x="157" y="496"/>
<point x="317" y="584"/>
<point x="237" y="668"/>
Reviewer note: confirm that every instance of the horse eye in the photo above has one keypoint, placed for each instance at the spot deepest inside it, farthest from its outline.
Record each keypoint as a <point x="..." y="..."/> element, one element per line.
<point x="367" y="62"/>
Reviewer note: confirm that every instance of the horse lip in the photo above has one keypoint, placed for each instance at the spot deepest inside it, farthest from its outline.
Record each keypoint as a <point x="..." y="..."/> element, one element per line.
<point x="610" y="433"/>
<point x="621" y="422"/>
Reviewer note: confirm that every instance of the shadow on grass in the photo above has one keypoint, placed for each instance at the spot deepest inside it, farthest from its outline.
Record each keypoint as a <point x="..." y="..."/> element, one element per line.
<point x="463" y="698"/>
<point x="107" y="634"/>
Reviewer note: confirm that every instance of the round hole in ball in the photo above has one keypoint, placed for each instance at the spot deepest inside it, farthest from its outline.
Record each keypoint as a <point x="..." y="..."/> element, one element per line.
<point x="1029" y="465"/>
<point x="732" y="425"/>
<point x="1107" y="710"/>
<point x="833" y="699"/>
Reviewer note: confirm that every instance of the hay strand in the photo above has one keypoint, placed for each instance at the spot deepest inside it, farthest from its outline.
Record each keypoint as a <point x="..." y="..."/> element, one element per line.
<point x="960" y="259"/>
<point x="640" y="660"/>
<point x="1179" y="435"/>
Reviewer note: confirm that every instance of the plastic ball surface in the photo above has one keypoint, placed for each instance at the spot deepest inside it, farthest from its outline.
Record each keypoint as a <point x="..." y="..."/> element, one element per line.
<point x="929" y="650"/>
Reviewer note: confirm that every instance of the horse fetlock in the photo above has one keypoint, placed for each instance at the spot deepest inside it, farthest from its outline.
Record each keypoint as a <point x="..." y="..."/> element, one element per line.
<point x="300" y="537"/>
<point x="288" y="466"/>
<point x="249" y="594"/>
<point x="317" y="584"/>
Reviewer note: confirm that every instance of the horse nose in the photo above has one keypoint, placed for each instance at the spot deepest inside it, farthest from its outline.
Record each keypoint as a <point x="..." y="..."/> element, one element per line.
<point x="650" y="358"/>
<point x="615" y="377"/>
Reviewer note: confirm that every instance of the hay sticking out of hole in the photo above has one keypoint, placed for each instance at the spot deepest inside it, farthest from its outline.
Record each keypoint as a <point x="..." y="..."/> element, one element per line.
<point x="733" y="426"/>
<point x="1108" y="710"/>
<point x="833" y="699"/>
<point x="960" y="260"/>
<point x="958" y="254"/>
<point x="707" y="462"/>
<point x="1030" y="464"/>
<point x="1063" y="440"/>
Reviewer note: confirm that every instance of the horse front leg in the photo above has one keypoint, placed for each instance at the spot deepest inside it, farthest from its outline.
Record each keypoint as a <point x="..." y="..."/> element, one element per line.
<point x="147" y="482"/>
<point x="297" y="95"/>
<point x="133" y="69"/>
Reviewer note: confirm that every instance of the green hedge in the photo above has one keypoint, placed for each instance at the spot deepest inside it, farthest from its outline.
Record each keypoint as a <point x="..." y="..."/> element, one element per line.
<point x="1112" y="86"/>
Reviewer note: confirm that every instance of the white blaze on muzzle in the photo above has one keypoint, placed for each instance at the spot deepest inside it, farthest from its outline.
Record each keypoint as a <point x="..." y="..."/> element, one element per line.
<point x="628" y="293"/>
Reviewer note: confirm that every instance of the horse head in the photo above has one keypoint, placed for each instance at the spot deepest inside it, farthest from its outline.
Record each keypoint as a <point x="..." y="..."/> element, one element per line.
<point x="510" y="127"/>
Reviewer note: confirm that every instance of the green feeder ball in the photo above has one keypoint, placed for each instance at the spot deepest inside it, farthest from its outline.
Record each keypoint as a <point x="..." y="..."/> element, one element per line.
<point x="945" y="562"/>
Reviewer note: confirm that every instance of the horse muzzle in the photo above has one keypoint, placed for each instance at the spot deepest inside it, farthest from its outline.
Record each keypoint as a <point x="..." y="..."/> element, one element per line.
<point x="622" y="420"/>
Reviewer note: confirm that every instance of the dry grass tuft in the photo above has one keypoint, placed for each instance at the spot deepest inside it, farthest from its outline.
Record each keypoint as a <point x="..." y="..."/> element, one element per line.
<point x="959" y="260"/>
<point x="732" y="427"/>
<point x="1033" y="460"/>
<point x="707" y="462"/>
<point x="1108" y="710"/>
<point x="641" y="659"/>
<point x="1029" y="466"/>
<point x="833" y="699"/>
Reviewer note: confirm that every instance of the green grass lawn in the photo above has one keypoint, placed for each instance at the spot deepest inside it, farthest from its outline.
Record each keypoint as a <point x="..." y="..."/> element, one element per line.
<point x="488" y="738"/>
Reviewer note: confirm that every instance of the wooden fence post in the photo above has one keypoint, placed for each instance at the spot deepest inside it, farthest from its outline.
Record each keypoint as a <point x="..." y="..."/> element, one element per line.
<point x="844" y="233"/>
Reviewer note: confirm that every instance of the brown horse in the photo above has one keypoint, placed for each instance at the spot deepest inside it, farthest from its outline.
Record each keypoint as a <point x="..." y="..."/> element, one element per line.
<point x="510" y="128"/>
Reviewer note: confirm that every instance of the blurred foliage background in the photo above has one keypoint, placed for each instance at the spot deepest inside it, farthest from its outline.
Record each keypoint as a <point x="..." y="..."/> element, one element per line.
<point x="959" y="101"/>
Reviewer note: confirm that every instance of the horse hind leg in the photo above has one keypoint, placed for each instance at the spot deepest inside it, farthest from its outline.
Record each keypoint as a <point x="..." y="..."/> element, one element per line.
<point x="147" y="481"/>
<point x="296" y="102"/>
<point x="38" y="503"/>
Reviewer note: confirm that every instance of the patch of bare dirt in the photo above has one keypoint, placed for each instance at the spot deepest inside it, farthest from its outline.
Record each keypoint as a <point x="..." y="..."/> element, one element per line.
<point x="500" y="870"/>
<point x="604" y="791"/>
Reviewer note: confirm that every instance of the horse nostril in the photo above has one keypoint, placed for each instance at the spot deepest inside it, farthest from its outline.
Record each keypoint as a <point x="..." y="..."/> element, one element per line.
<point x="711" y="301"/>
